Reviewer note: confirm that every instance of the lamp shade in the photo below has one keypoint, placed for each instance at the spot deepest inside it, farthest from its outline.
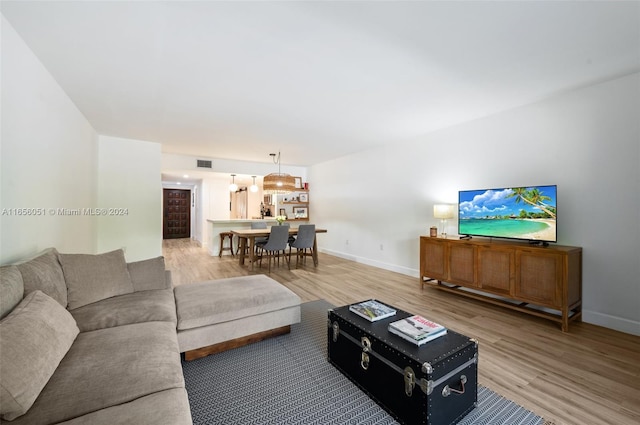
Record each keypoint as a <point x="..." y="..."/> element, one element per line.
<point x="278" y="183"/>
<point x="443" y="211"/>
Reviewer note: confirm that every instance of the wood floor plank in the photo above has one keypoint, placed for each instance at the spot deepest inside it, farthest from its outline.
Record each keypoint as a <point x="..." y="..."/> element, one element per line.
<point x="589" y="376"/>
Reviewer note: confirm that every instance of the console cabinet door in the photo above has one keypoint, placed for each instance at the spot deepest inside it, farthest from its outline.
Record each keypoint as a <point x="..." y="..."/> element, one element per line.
<point x="496" y="268"/>
<point x="462" y="264"/>
<point x="432" y="258"/>
<point x="539" y="278"/>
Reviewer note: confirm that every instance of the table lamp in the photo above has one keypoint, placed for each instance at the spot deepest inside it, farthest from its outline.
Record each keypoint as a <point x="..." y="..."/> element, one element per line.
<point x="443" y="212"/>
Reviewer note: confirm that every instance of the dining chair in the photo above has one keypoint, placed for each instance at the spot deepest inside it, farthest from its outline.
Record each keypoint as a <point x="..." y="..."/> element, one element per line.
<point x="291" y="238"/>
<point x="276" y="242"/>
<point x="262" y="239"/>
<point x="304" y="241"/>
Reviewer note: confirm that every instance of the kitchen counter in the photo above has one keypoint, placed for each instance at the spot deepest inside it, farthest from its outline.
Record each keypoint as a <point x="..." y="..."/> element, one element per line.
<point x="217" y="226"/>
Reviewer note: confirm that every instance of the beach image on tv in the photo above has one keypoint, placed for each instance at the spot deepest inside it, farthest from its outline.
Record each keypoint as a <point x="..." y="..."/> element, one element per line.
<point x="517" y="212"/>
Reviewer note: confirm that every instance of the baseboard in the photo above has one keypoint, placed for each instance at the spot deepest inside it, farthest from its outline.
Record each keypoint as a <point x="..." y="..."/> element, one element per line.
<point x="612" y="322"/>
<point x="386" y="266"/>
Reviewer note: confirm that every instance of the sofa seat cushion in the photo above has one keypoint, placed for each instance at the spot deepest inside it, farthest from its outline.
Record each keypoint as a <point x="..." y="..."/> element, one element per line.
<point x="169" y="407"/>
<point x="44" y="273"/>
<point x="224" y="300"/>
<point x="109" y="367"/>
<point x="91" y="278"/>
<point x="34" y="338"/>
<point x="138" y="307"/>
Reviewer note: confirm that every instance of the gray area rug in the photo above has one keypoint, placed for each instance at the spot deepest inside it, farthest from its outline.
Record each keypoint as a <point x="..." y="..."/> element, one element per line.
<point x="288" y="380"/>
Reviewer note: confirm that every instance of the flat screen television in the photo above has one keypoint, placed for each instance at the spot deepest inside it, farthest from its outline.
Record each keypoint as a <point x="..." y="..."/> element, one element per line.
<point x="525" y="213"/>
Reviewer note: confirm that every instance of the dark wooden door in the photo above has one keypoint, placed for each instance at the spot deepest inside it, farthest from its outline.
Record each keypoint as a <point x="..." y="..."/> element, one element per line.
<point x="176" y="210"/>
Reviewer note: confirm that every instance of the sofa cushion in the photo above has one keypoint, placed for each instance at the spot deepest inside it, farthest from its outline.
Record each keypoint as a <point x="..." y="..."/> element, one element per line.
<point x="169" y="407"/>
<point x="45" y="273"/>
<point x="92" y="278"/>
<point x="224" y="300"/>
<point x="109" y="367"/>
<point x="11" y="289"/>
<point x="137" y="307"/>
<point x="34" y="338"/>
<point x="147" y="275"/>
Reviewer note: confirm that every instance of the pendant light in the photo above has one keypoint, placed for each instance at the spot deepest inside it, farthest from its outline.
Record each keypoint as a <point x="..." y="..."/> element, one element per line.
<point x="233" y="187"/>
<point x="254" y="186"/>
<point x="278" y="183"/>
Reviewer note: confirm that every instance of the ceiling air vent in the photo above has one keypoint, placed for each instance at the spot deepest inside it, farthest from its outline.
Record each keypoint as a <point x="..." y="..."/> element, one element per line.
<point x="202" y="163"/>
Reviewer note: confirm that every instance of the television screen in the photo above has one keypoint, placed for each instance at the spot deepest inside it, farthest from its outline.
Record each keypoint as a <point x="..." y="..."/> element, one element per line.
<point x="527" y="213"/>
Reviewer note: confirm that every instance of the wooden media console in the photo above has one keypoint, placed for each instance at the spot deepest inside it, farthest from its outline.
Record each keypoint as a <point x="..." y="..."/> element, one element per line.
<point x="538" y="280"/>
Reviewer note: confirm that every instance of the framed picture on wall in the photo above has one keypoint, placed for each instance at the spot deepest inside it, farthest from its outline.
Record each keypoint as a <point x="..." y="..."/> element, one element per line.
<point x="300" y="212"/>
<point x="298" y="182"/>
<point x="304" y="197"/>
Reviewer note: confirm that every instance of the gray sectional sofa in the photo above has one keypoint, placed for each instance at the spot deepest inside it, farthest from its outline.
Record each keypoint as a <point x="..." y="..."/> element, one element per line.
<point x="89" y="339"/>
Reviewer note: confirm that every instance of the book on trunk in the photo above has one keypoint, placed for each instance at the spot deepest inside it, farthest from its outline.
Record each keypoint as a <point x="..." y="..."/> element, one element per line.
<point x="417" y="329"/>
<point x="372" y="310"/>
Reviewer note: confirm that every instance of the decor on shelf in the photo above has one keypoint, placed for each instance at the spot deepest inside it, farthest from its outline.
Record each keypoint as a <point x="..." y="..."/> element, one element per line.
<point x="304" y="197"/>
<point x="300" y="212"/>
<point x="254" y="186"/>
<point x="444" y="212"/>
<point x="233" y="187"/>
<point x="278" y="183"/>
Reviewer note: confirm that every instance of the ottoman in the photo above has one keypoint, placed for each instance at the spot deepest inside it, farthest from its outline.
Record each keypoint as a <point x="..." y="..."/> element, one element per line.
<point x="222" y="314"/>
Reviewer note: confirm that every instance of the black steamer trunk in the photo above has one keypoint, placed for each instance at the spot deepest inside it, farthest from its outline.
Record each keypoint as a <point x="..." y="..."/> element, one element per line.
<point x="432" y="384"/>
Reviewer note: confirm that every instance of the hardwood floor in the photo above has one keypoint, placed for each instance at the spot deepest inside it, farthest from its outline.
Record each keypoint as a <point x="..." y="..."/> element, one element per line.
<point x="590" y="375"/>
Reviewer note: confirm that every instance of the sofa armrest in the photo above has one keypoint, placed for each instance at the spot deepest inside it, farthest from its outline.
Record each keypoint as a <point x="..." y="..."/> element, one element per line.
<point x="148" y="275"/>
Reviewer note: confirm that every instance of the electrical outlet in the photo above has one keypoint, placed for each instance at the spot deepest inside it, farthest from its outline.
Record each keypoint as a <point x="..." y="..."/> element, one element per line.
<point x="381" y="247"/>
<point x="346" y="242"/>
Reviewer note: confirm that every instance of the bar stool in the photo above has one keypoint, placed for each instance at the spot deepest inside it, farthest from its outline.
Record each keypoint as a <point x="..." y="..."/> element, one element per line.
<point x="223" y="236"/>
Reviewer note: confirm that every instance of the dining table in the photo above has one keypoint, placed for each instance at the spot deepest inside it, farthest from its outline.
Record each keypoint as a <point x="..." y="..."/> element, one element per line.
<point x="247" y="243"/>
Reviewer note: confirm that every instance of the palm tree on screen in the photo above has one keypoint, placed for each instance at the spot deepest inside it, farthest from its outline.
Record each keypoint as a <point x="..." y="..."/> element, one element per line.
<point x="533" y="197"/>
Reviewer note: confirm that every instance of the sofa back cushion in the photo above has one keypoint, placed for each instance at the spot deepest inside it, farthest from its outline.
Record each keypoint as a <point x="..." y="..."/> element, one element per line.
<point x="11" y="289"/>
<point x="34" y="338"/>
<point x="148" y="275"/>
<point x="91" y="278"/>
<point x="44" y="273"/>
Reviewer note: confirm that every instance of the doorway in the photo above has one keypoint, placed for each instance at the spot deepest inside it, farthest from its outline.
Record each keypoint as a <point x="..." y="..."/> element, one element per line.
<point x="176" y="213"/>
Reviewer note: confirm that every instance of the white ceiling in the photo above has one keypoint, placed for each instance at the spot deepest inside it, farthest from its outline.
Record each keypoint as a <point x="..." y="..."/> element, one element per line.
<point x="316" y="80"/>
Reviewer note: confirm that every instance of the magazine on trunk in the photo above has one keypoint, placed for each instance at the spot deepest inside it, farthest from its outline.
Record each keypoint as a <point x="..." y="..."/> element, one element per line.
<point x="372" y="310"/>
<point x="417" y="329"/>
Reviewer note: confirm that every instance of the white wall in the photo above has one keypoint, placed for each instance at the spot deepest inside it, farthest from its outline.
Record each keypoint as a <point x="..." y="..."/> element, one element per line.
<point x="129" y="178"/>
<point x="48" y="156"/>
<point x="215" y="200"/>
<point x="586" y="141"/>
